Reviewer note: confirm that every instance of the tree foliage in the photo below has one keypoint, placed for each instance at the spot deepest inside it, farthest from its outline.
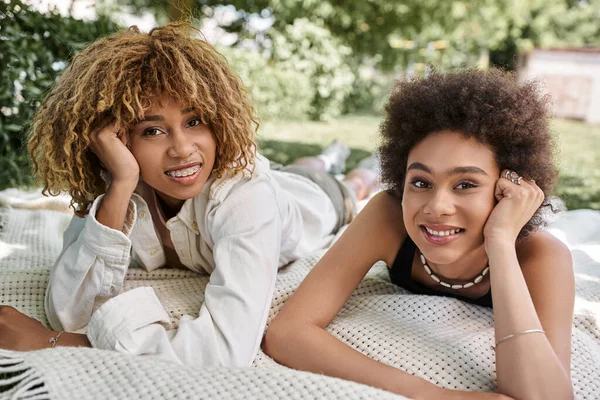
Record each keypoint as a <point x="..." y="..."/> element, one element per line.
<point x="278" y="93"/>
<point x="446" y="34"/>
<point x="332" y="40"/>
<point x="34" y="49"/>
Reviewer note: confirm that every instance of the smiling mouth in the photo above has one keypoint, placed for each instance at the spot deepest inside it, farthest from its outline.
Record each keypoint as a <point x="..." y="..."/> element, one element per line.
<point x="181" y="173"/>
<point x="448" y="232"/>
<point x="441" y="237"/>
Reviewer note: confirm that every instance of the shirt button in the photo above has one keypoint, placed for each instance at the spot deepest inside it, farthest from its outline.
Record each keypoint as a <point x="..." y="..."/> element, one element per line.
<point x="153" y="252"/>
<point x="195" y="225"/>
<point x="143" y="214"/>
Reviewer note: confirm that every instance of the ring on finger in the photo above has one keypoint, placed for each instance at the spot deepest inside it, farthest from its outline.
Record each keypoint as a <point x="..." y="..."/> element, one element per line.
<point x="513" y="177"/>
<point x="507" y="174"/>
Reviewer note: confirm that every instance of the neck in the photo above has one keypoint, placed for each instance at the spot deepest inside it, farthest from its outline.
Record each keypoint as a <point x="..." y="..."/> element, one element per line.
<point x="168" y="208"/>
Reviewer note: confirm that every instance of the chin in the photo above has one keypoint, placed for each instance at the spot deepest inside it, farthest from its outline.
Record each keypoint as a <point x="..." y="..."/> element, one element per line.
<point x="445" y="254"/>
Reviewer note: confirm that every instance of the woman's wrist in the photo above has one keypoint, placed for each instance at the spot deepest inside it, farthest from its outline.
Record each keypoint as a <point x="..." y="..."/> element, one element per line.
<point x="112" y="212"/>
<point x="415" y="387"/>
<point x="123" y="186"/>
<point x="68" y="339"/>
<point x="499" y="240"/>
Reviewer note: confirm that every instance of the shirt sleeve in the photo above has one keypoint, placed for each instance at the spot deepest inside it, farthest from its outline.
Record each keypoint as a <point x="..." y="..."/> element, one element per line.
<point x="246" y="229"/>
<point x="92" y="265"/>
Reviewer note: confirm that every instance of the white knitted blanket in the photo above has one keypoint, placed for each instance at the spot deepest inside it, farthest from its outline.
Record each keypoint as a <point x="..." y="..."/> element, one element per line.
<point x="440" y="339"/>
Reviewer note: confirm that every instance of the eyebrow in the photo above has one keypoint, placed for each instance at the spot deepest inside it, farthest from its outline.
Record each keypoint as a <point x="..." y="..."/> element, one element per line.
<point x="160" y="118"/>
<point x="452" y="171"/>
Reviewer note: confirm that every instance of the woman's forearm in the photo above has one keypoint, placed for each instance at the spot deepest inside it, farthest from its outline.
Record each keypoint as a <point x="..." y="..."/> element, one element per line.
<point x="309" y="347"/>
<point x="526" y="365"/>
<point x="112" y="212"/>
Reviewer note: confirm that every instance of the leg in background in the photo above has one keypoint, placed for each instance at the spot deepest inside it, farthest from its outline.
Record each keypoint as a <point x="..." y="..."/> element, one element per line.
<point x="332" y="159"/>
<point x="363" y="182"/>
<point x="364" y="179"/>
<point x="311" y="162"/>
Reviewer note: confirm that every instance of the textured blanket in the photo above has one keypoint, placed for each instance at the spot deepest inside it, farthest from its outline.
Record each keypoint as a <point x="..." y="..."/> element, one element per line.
<point x="440" y="339"/>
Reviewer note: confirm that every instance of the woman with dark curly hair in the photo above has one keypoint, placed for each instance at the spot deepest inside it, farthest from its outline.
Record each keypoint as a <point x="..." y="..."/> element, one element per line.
<point x="153" y="137"/>
<point x="467" y="158"/>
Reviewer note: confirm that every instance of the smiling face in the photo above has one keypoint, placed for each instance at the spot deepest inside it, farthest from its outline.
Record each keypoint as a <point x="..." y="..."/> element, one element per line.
<point x="448" y="196"/>
<point x="175" y="151"/>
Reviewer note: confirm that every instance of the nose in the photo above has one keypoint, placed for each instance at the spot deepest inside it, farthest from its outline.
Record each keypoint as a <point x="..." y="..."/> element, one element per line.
<point x="439" y="204"/>
<point x="181" y="145"/>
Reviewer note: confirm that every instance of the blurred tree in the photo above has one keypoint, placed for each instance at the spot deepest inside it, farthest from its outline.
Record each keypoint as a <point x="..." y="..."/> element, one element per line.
<point x="34" y="48"/>
<point x="446" y="34"/>
<point x="180" y="9"/>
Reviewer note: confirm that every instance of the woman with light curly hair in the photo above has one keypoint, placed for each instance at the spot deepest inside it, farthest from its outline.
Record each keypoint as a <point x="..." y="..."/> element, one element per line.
<point x="153" y="137"/>
<point x="468" y="161"/>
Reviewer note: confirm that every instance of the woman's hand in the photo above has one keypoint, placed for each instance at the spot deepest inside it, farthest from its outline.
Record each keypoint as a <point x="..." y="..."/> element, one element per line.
<point x="115" y="156"/>
<point x="518" y="200"/>
<point x="22" y="333"/>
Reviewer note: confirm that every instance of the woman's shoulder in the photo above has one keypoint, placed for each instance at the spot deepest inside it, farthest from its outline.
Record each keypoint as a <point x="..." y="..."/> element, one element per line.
<point x="543" y="252"/>
<point x="383" y="214"/>
<point x="385" y="206"/>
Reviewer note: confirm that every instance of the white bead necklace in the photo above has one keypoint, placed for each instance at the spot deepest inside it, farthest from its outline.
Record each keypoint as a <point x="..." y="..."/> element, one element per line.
<point x="477" y="279"/>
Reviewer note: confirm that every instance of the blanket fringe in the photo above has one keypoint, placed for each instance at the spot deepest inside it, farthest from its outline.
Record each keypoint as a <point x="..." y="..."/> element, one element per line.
<point x="20" y="381"/>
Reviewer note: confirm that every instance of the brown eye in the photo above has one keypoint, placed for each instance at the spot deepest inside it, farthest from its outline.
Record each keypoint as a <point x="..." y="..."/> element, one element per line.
<point x="465" y="185"/>
<point x="151" y="132"/>
<point x="195" y="122"/>
<point x="418" y="183"/>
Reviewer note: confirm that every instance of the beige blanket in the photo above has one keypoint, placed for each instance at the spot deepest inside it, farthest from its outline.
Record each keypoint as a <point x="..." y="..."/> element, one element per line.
<point x="440" y="339"/>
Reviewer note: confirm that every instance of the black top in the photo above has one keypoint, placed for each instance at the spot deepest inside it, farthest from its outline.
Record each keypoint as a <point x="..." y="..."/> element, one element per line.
<point x="400" y="274"/>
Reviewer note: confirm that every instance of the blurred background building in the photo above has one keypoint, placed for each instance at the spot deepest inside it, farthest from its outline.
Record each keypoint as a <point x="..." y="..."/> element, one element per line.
<point x="571" y="77"/>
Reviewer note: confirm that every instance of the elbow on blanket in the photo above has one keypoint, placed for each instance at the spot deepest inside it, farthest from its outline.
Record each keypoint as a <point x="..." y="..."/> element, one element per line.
<point x="277" y="337"/>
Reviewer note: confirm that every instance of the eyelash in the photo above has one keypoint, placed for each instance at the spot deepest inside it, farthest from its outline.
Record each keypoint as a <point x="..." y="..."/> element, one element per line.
<point x="189" y="123"/>
<point x="147" y="132"/>
<point x="415" y="183"/>
<point x="469" y="184"/>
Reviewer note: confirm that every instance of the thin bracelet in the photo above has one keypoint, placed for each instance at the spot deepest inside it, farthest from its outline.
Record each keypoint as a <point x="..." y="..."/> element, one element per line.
<point x="53" y="340"/>
<point x="518" y="334"/>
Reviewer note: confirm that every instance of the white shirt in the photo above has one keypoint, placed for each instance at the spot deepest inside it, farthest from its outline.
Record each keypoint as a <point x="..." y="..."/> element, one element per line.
<point x="239" y="229"/>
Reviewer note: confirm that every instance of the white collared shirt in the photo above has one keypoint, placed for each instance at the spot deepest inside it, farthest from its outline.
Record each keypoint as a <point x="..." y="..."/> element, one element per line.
<point x="239" y="229"/>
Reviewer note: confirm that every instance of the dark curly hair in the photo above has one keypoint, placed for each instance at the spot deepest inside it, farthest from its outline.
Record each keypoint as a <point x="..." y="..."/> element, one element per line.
<point x="119" y="78"/>
<point x="491" y="106"/>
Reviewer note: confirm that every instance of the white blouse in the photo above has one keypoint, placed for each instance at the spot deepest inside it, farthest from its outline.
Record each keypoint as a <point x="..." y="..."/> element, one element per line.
<point x="240" y="229"/>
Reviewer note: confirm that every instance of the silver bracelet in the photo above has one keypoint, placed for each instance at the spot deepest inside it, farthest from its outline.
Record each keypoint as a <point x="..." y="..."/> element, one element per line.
<point x="518" y="334"/>
<point x="53" y="340"/>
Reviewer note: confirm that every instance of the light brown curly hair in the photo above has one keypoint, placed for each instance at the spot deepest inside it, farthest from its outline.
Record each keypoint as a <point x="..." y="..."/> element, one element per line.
<point x="118" y="78"/>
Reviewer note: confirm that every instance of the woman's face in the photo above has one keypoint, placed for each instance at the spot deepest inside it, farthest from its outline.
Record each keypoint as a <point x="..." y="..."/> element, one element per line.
<point x="448" y="196"/>
<point x="175" y="151"/>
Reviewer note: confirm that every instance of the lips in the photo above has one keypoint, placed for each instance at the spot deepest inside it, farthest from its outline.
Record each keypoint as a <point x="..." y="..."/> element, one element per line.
<point x="184" y="174"/>
<point x="183" y="170"/>
<point x="441" y="234"/>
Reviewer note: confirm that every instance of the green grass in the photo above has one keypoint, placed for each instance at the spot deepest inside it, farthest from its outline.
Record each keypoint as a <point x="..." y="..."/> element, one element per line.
<point x="578" y="145"/>
<point x="579" y="164"/>
<point x="286" y="141"/>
